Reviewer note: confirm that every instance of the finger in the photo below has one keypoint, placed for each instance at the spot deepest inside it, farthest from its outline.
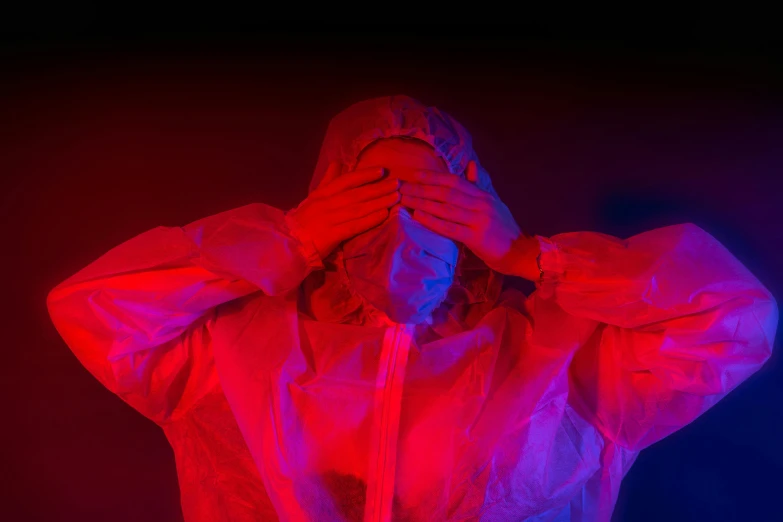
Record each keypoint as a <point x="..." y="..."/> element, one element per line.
<point x="429" y="177"/>
<point x="365" y="193"/>
<point x="444" y="211"/>
<point x="471" y="173"/>
<point x="453" y="231"/>
<point x="444" y="195"/>
<point x="351" y="180"/>
<point x="366" y="208"/>
<point x="357" y="226"/>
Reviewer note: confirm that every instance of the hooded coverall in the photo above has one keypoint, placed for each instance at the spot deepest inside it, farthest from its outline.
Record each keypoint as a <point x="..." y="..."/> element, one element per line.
<point x="284" y="397"/>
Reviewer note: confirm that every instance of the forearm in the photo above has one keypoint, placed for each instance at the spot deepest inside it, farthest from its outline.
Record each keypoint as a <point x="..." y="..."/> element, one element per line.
<point x="150" y="289"/>
<point x="657" y="275"/>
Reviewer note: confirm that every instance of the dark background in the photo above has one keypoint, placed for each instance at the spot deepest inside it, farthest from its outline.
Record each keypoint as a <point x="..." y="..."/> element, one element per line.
<point x="106" y="135"/>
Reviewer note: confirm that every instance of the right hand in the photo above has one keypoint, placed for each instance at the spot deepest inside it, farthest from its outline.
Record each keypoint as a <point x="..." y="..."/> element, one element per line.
<point x="346" y="205"/>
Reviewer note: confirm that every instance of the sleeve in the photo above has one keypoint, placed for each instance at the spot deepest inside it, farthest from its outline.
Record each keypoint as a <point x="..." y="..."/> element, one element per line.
<point x="139" y="318"/>
<point x="680" y="323"/>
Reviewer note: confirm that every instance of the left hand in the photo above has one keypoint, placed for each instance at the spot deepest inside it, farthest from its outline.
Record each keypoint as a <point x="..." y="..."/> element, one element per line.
<point x="460" y="210"/>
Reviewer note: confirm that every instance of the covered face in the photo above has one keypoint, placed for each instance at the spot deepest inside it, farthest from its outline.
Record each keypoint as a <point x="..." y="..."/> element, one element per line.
<point x="400" y="268"/>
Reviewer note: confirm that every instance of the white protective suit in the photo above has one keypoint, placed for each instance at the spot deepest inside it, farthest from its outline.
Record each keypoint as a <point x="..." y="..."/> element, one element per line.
<point x="285" y="395"/>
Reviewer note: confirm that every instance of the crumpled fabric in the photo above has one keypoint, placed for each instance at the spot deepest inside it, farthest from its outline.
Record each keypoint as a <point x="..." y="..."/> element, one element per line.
<point x="286" y="395"/>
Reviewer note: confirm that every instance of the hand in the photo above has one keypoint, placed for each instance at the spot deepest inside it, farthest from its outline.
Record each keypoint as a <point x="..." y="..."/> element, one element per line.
<point x="345" y="205"/>
<point x="458" y="209"/>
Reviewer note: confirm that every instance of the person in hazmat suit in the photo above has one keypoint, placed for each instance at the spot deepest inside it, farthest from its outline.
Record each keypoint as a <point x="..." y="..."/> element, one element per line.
<point x="357" y="357"/>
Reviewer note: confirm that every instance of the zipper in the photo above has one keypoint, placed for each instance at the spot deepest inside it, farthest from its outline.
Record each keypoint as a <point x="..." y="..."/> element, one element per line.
<point x="386" y="423"/>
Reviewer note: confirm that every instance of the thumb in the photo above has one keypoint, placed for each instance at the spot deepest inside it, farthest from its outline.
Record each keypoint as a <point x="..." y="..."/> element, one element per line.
<point x="471" y="173"/>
